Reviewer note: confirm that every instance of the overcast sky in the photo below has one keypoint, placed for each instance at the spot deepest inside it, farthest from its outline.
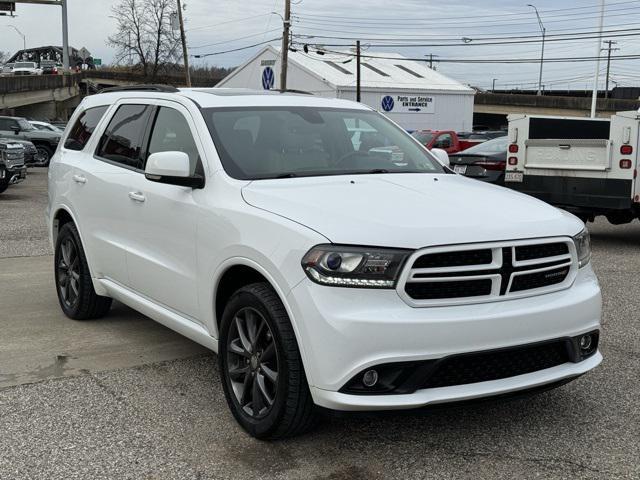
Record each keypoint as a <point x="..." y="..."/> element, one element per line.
<point x="219" y="25"/>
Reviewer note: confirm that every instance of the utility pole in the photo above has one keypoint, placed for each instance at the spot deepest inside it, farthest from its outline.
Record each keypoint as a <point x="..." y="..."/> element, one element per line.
<point x="594" y="94"/>
<point x="286" y="22"/>
<point x="358" y="71"/>
<point x="609" y="50"/>
<point x="493" y="85"/>
<point x="185" y="54"/>
<point x="544" y="31"/>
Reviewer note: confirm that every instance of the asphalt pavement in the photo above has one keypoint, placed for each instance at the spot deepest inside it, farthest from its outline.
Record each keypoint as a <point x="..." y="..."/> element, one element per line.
<point x="124" y="397"/>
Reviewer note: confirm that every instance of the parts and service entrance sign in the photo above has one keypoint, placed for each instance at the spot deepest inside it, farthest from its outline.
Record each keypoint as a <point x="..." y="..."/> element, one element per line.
<point x="407" y="104"/>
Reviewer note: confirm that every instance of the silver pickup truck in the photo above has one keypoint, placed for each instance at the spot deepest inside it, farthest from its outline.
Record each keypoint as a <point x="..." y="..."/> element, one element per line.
<point x="12" y="167"/>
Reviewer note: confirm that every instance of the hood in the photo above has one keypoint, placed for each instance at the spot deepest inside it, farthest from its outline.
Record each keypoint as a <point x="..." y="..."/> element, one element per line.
<point x="409" y="210"/>
<point x="43" y="135"/>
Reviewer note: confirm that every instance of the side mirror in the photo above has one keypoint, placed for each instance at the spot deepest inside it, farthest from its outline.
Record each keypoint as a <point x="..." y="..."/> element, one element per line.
<point x="16" y="129"/>
<point x="172" y="168"/>
<point x="441" y="155"/>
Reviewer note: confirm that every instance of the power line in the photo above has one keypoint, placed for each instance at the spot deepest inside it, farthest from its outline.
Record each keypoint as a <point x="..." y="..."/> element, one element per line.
<point x="203" y="55"/>
<point x="235" y="39"/>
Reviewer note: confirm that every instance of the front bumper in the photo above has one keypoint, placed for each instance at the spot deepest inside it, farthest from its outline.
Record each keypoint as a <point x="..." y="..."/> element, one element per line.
<point x="15" y="174"/>
<point x="343" y="331"/>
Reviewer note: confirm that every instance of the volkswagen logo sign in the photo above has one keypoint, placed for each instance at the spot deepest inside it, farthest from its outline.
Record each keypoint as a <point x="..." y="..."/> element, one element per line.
<point x="387" y="103"/>
<point x="267" y="78"/>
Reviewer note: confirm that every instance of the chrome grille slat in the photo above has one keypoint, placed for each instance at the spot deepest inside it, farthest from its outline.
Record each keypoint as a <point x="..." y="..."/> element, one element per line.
<point x="502" y="271"/>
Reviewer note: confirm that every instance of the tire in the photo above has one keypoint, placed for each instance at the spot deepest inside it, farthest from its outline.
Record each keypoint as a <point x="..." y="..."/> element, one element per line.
<point x="4" y="184"/>
<point x="74" y="287"/>
<point x="257" y="310"/>
<point x="45" y="154"/>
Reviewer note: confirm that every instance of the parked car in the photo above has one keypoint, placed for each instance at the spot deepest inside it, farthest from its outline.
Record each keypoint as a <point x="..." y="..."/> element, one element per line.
<point x="485" y="161"/>
<point x="17" y="128"/>
<point x="26" y="68"/>
<point x="12" y="167"/>
<point x="321" y="272"/>
<point x="45" y="126"/>
<point x="447" y="140"/>
<point x="50" y="67"/>
<point x="7" y="69"/>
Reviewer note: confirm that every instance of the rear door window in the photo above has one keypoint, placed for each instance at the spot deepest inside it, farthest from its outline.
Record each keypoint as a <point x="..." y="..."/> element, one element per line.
<point x="123" y="140"/>
<point x="81" y="131"/>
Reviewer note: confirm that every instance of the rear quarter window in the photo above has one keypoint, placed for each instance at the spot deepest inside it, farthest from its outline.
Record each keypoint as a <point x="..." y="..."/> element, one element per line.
<point x="82" y="130"/>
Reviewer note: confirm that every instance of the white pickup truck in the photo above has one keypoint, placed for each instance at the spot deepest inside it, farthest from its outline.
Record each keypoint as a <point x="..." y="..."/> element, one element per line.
<point x="586" y="166"/>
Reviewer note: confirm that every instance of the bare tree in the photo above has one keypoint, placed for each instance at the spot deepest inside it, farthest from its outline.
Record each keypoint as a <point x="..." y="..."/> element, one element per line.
<point x="144" y="36"/>
<point x="4" y="56"/>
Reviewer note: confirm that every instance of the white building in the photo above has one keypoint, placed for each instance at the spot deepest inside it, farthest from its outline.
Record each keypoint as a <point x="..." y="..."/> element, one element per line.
<point x="408" y="91"/>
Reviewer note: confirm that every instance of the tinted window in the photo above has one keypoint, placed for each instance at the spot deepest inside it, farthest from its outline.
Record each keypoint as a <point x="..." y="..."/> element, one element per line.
<point x="274" y="142"/>
<point x="171" y="133"/>
<point x="423" y="137"/>
<point x="81" y="132"/>
<point x="7" y="123"/>
<point x="443" y="141"/>
<point x="122" y="140"/>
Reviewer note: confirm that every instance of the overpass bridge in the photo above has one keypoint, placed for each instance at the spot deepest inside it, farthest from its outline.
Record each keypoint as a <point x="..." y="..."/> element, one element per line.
<point x="55" y="96"/>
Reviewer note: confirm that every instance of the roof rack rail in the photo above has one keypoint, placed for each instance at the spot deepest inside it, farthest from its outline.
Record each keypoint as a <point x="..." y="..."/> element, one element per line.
<point x="141" y="88"/>
<point x="291" y="90"/>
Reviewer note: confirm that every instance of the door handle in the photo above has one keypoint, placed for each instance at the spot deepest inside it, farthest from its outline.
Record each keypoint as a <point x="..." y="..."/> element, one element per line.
<point x="79" y="179"/>
<point x="136" y="196"/>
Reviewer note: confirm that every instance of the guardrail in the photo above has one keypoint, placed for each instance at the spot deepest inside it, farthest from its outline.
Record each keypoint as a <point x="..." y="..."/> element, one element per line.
<point x="30" y="83"/>
<point x="565" y="103"/>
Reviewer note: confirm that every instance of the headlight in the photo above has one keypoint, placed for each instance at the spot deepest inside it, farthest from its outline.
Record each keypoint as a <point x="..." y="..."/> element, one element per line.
<point x="582" y="242"/>
<point x="345" y="266"/>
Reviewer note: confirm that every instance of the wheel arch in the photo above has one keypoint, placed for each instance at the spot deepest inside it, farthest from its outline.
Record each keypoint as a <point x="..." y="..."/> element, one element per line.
<point x="239" y="271"/>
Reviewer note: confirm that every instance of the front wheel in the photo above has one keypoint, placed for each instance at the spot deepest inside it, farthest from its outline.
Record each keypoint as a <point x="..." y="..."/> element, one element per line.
<point x="43" y="156"/>
<point x="76" y="295"/>
<point x="262" y="373"/>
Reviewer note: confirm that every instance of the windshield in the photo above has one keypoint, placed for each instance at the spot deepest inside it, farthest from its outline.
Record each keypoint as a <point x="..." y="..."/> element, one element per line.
<point x="280" y="142"/>
<point x="24" y="125"/>
<point x="423" y="137"/>
<point x="25" y="65"/>
<point x="496" y="145"/>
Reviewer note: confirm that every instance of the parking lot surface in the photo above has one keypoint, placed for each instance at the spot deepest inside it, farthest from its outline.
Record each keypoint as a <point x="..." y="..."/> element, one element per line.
<point x="124" y="397"/>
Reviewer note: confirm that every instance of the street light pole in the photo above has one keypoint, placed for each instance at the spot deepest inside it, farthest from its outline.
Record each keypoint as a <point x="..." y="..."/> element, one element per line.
<point x="544" y="31"/>
<point x="493" y="85"/>
<point x="24" y="39"/>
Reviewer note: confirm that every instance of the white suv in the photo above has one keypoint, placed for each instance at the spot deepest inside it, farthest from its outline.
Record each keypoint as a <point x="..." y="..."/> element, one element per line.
<point x="328" y="258"/>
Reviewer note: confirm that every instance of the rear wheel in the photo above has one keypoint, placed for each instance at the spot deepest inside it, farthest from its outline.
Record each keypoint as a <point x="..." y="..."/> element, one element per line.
<point x="4" y="184"/>
<point x="76" y="295"/>
<point x="262" y="373"/>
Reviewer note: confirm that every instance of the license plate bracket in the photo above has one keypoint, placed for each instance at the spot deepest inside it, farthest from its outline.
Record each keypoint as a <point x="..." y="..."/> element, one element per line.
<point x="514" y="177"/>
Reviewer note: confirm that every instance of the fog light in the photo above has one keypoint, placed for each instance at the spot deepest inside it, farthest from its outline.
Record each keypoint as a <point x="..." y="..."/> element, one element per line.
<point x="370" y="378"/>
<point x="585" y="342"/>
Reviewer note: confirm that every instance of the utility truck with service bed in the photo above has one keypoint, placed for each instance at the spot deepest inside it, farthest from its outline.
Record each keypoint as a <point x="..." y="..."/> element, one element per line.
<point x="586" y="166"/>
<point x="326" y="273"/>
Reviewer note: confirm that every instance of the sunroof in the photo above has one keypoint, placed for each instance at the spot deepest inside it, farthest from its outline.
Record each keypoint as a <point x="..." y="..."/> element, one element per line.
<point x="338" y="67"/>
<point x="378" y="71"/>
<point x="408" y="70"/>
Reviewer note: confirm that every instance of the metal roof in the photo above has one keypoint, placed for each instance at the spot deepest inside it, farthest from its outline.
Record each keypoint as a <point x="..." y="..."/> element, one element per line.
<point x="393" y="72"/>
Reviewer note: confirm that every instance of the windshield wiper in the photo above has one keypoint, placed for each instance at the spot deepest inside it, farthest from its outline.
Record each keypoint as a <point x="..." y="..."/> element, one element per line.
<point x="287" y="175"/>
<point x="378" y="170"/>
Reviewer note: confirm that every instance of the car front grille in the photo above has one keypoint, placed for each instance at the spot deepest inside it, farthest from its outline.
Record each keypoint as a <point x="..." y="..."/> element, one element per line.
<point x="495" y="365"/>
<point x="487" y="272"/>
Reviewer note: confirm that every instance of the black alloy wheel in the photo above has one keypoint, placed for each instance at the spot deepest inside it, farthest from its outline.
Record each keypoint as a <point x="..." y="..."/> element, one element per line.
<point x="261" y="368"/>
<point x="74" y="286"/>
<point x="252" y="362"/>
<point x="68" y="266"/>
